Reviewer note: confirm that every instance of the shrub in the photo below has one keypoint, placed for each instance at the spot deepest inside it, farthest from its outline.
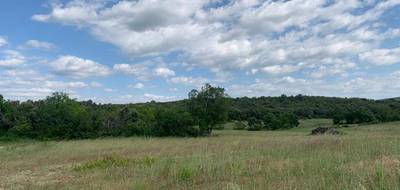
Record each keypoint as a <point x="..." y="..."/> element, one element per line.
<point x="255" y="124"/>
<point x="239" y="125"/>
<point x="174" y="122"/>
<point x="219" y="127"/>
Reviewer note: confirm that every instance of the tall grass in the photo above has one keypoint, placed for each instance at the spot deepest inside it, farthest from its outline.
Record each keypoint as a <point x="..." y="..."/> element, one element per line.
<point x="366" y="157"/>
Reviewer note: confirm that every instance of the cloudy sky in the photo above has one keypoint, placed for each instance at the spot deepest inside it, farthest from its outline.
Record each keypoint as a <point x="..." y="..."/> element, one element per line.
<point x="142" y="50"/>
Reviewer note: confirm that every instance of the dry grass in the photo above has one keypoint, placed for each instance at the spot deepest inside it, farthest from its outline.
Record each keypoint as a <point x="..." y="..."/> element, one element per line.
<point x="366" y="157"/>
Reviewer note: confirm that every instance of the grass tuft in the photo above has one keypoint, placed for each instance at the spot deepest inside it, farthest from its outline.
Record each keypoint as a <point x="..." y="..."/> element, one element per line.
<point x="103" y="163"/>
<point x="185" y="174"/>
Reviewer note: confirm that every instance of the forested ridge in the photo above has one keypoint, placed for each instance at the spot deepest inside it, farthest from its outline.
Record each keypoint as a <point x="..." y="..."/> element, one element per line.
<point x="342" y="110"/>
<point x="60" y="117"/>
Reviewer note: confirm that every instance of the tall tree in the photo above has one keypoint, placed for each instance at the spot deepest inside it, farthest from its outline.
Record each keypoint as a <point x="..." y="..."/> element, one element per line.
<point x="209" y="106"/>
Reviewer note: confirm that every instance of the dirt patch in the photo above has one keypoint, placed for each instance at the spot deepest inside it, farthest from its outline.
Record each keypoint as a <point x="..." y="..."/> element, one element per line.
<point x="39" y="177"/>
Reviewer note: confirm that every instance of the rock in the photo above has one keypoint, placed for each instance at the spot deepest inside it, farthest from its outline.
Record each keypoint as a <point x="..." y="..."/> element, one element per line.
<point x="325" y="130"/>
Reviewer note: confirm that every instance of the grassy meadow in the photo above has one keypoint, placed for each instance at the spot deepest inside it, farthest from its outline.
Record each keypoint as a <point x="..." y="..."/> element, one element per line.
<point x="364" y="157"/>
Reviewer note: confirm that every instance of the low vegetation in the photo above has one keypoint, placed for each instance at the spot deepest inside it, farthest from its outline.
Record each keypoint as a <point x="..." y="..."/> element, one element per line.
<point x="365" y="157"/>
<point x="60" y="117"/>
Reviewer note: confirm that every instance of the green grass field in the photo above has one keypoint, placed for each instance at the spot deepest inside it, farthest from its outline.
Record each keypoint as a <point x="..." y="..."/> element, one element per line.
<point x="365" y="157"/>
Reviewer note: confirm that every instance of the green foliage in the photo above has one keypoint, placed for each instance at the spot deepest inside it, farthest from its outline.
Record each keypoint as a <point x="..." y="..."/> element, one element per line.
<point x="255" y="124"/>
<point x="121" y="122"/>
<point x="341" y="110"/>
<point x="185" y="174"/>
<point x="209" y="107"/>
<point x="288" y="120"/>
<point x="103" y="163"/>
<point x="60" y="117"/>
<point x="239" y="125"/>
<point x="271" y="122"/>
<point x="174" y="122"/>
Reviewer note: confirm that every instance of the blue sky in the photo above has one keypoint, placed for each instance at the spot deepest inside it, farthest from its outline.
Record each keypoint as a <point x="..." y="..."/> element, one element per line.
<point x="137" y="51"/>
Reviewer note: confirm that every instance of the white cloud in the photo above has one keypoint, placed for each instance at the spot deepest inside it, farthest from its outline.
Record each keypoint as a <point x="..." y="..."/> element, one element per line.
<point x="11" y="59"/>
<point x="277" y="16"/>
<point x="366" y="86"/>
<point x="3" y="41"/>
<point x="36" y="44"/>
<point x="96" y="84"/>
<point x="23" y="84"/>
<point x="163" y="72"/>
<point x="159" y="98"/>
<point x="190" y="81"/>
<point x="76" y="67"/>
<point x="109" y="90"/>
<point x="143" y="71"/>
<point x="137" y="85"/>
<point x="381" y="56"/>
<point x="77" y="84"/>
<point x="128" y="98"/>
<point x="281" y="69"/>
<point x="329" y="67"/>
<point x="319" y="40"/>
<point x="140" y="71"/>
<point x="237" y="35"/>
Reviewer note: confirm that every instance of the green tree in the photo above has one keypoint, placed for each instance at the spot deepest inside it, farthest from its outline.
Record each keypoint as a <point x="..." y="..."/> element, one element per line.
<point x="288" y="120"/>
<point x="61" y="117"/>
<point x="174" y="122"/>
<point x="209" y="106"/>
<point x="271" y="122"/>
<point x="7" y="115"/>
<point x="255" y="124"/>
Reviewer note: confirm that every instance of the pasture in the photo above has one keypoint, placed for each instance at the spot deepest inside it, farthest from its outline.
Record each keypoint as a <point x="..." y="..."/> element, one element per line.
<point x="364" y="157"/>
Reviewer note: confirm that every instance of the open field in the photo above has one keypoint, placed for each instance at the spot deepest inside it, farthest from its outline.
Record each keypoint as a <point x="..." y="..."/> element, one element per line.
<point x="365" y="157"/>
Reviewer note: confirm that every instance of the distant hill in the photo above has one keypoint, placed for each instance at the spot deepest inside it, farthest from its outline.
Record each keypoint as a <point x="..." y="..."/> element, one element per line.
<point x="391" y="99"/>
<point x="302" y="106"/>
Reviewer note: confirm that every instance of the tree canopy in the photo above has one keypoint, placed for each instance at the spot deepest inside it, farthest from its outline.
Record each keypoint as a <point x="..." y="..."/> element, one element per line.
<point x="209" y="107"/>
<point x="61" y="117"/>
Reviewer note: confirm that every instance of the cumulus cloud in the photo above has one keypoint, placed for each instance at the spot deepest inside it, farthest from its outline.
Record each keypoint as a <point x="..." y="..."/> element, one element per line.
<point x="235" y="35"/>
<point x="143" y="71"/>
<point x="329" y="67"/>
<point x="11" y="59"/>
<point x="3" y="41"/>
<point x="76" y="67"/>
<point x="381" y="56"/>
<point x="36" y="44"/>
<point x="159" y="98"/>
<point x="129" y="98"/>
<point x="140" y="71"/>
<point x="366" y="86"/>
<point x="137" y="85"/>
<point x="267" y="39"/>
<point x="189" y="81"/>
<point x="163" y="72"/>
<point x="24" y="84"/>
<point x="281" y="69"/>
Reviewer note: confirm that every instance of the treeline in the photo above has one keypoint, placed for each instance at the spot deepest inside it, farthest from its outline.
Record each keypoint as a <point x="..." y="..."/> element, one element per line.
<point x="341" y="110"/>
<point x="60" y="117"/>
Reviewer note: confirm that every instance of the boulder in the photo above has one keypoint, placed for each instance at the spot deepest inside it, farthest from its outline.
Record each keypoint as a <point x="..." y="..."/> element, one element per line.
<point x="325" y="130"/>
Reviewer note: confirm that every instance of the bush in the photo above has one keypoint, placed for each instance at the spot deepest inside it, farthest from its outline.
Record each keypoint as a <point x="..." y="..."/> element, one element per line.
<point x="239" y="125"/>
<point x="255" y="124"/>
<point x="288" y="121"/>
<point x="174" y="122"/>
<point x="271" y="122"/>
<point x="219" y="127"/>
